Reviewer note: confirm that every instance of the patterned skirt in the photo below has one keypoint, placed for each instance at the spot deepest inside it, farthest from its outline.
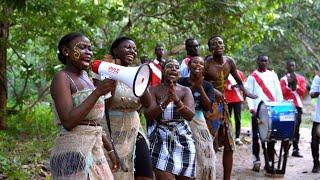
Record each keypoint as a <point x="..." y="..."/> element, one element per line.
<point x="219" y="123"/>
<point x="78" y="154"/>
<point x="173" y="148"/>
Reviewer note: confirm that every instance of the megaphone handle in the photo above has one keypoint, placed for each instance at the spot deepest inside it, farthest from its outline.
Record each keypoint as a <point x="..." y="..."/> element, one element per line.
<point x="107" y="96"/>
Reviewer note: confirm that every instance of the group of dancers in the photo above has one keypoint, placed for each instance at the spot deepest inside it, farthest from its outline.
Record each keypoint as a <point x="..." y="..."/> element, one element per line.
<point x="185" y="107"/>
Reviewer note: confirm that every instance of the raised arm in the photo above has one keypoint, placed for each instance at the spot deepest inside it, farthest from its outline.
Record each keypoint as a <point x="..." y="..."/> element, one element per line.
<point x="236" y="76"/>
<point x="71" y="116"/>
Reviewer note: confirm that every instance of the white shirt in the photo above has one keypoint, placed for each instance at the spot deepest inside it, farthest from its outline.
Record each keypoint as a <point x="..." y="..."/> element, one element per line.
<point x="271" y="81"/>
<point x="184" y="69"/>
<point x="315" y="87"/>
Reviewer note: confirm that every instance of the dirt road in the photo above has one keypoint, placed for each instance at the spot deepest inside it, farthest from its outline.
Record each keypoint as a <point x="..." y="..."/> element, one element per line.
<point x="297" y="168"/>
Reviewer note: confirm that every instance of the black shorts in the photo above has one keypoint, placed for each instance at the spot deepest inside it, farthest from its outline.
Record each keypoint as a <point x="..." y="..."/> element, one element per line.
<point x="142" y="161"/>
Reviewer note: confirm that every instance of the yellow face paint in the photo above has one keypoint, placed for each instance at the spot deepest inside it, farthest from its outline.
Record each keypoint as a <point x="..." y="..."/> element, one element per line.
<point x="76" y="49"/>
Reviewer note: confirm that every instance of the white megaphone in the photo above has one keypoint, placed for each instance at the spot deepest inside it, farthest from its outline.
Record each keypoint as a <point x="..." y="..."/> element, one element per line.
<point x="137" y="78"/>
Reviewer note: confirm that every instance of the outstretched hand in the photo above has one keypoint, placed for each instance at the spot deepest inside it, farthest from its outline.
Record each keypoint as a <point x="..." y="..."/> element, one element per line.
<point x="248" y="94"/>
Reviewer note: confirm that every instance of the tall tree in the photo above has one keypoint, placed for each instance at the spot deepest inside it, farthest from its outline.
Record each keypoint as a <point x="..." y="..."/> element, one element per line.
<point x="7" y="7"/>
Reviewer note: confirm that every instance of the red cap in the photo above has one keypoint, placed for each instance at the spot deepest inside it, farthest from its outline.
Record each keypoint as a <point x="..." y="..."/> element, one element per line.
<point x="95" y="66"/>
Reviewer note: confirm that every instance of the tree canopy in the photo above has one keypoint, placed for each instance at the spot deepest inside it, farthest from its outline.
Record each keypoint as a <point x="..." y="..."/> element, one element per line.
<point x="277" y="28"/>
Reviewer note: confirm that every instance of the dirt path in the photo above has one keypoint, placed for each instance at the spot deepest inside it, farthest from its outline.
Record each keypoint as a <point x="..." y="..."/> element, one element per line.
<point x="297" y="168"/>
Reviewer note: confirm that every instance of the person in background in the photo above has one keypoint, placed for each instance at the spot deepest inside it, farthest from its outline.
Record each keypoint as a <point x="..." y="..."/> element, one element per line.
<point x="203" y="95"/>
<point x="144" y="59"/>
<point x="234" y="99"/>
<point x="171" y="143"/>
<point x="265" y="84"/>
<point x="193" y="49"/>
<point x="127" y="133"/>
<point x="79" y="108"/>
<point x="315" y="133"/>
<point x="157" y="65"/>
<point x="293" y="86"/>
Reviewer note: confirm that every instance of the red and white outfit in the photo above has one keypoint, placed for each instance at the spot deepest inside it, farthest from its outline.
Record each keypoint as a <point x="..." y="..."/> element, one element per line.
<point x="184" y="69"/>
<point x="156" y="72"/>
<point x="298" y="94"/>
<point x="234" y="97"/>
<point x="266" y="85"/>
<point x="233" y="94"/>
<point x="267" y="90"/>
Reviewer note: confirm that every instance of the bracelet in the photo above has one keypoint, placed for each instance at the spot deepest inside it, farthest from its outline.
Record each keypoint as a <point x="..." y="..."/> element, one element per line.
<point x="180" y="108"/>
<point x="109" y="152"/>
<point x="162" y="107"/>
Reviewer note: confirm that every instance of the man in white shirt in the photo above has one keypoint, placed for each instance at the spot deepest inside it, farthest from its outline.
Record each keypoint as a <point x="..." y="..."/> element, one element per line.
<point x="314" y="93"/>
<point x="193" y="49"/>
<point x="265" y="84"/>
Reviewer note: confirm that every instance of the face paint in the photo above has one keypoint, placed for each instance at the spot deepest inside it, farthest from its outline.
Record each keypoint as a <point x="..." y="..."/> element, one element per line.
<point x="171" y="70"/>
<point x="76" y="50"/>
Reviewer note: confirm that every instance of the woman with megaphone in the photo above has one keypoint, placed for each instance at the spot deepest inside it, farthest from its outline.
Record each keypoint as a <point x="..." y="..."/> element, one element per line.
<point x="122" y="119"/>
<point x="78" y="108"/>
<point x="171" y="144"/>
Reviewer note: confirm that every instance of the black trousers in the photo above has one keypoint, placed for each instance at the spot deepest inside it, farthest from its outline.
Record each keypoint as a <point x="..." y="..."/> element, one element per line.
<point x="315" y="143"/>
<point x="296" y="136"/>
<point x="142" y="161"/>
<point x="236" y="106"/>
<point x="255" y="141"/>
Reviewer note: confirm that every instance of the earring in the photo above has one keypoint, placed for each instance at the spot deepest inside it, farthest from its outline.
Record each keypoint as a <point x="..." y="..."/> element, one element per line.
<point x="67" y="54"/>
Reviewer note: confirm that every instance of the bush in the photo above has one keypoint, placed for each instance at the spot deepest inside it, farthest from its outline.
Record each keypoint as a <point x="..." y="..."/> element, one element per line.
<point x="25" y="146"/>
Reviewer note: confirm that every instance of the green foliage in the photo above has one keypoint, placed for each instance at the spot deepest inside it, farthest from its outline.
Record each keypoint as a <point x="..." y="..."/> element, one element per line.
<point x="278" y="28"/>
<point x="248" y="28"/>
<point x="25" y="146"/>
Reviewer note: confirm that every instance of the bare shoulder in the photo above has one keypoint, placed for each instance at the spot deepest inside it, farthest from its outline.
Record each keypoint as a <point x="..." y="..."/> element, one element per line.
<point x="208" y="58"/>
<point x="59" y="76"/>
<point x="154" y="89"/>
<point x="59" y="81"/>
<point x="229" y="59"/>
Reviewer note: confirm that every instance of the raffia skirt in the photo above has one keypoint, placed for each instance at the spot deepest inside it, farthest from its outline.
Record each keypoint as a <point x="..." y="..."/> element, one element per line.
<point x="125" y="127"/>
<point x="78" y="154"/>
<point x="205" y="154"/>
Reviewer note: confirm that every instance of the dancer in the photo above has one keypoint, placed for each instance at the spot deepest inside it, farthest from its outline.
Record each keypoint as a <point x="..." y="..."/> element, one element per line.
<point x="172" y="146"/>
<point x="203" y="95"/>
<point x="78" y="109"/>
<point x="217" y="69"/>
<point x="127" y="133"/>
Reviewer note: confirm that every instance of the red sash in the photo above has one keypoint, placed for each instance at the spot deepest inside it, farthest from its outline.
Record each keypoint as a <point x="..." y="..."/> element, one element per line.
<point x="263" y="86"/>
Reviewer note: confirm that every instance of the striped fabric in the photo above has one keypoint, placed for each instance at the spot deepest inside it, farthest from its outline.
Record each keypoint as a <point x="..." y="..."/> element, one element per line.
<point x="172" y="146"/>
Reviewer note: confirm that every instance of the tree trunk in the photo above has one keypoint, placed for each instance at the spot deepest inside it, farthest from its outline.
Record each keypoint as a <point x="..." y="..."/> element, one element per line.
<point x="4" y="34"/>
